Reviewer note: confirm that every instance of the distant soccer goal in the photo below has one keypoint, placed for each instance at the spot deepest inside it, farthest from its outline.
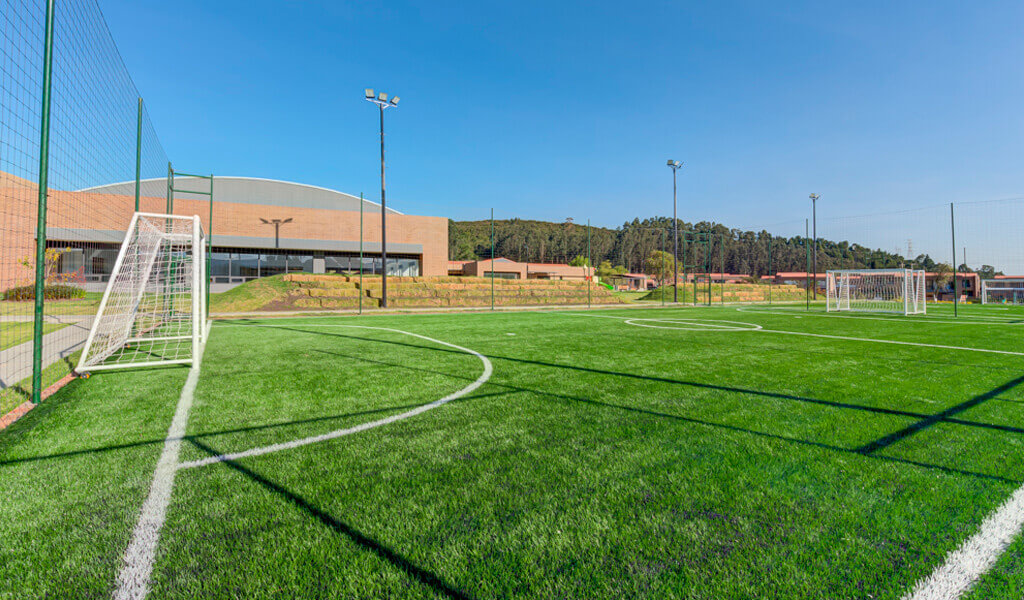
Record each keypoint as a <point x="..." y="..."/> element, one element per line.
<point x="876" y="290"/>
<point x="153" y="308"/>
<point x="1002" y="291"/>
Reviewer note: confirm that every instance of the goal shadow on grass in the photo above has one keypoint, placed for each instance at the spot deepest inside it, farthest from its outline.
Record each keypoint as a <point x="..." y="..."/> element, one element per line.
<point x="424" y="576"/>
<point x="868" y="450"/>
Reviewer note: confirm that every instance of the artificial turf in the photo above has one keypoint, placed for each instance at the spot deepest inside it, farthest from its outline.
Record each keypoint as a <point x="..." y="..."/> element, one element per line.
<point x="612" y="453"/>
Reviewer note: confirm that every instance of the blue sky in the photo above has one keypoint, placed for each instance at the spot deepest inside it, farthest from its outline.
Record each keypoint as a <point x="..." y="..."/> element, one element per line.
<point x="549" y="110"/>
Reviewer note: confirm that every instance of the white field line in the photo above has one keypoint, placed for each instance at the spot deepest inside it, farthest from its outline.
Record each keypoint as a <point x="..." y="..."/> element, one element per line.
<point x="488" y="369"/>
<point x="877" y="341"/>
<point x="965" y="320"/>
<point x="134" y="577"/>
<point x="835" y="337"/>
<point x="696" y="324"/>
<point x="976" y="556"/>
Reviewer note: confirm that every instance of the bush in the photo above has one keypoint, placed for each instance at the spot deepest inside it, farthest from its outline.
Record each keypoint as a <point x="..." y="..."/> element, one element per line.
<point x="50" y="292"/>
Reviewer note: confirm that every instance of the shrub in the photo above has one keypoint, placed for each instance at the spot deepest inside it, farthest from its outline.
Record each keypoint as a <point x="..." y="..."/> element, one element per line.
<point x="50" y="292"/>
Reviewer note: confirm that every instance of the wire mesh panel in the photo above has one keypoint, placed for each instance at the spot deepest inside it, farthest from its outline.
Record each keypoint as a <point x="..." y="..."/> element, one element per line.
<point x="90" y="166"/>
<point x="151" y="310"/>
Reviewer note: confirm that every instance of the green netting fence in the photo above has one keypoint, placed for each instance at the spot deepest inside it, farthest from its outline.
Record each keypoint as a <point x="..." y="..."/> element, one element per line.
<point x="73" y="126"/>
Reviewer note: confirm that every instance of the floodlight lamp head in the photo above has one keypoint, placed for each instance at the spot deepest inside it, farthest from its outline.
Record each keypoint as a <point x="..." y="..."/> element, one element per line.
<point x="369" y="93"/>
<point x="394" y="101"/>
<point x="814" y="196"/>
<point x="671" y="163"/>
<point x="288" y="220"/>
<point x="382" y="97"/>
<point x="265" y="222"/>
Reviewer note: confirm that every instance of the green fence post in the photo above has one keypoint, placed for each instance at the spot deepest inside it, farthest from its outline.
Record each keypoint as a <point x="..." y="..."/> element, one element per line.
<point x="956" y="284"/>
<point x="770" y="276"/>
<point x="492" y="259"/>
<point x="170" y="189"/>
<point x="361" y="290"/>
<point x="663" y="268"/>
<point x="138" y="156"/>
<point x="807" y="270"/>
<point x="44" y="171"/>
<point x="209" y="253"/>
<point x="590" y="269"/>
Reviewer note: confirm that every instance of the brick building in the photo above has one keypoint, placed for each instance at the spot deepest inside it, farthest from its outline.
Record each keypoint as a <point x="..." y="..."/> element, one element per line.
<point x="322" y="235"/>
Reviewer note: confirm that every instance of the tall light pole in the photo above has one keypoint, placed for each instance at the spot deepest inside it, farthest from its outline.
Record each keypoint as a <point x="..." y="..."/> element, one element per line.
<point x="277" y="229"/>
<point x="814" y="217"/>
<point x="675" y="165"/>
<point x="382" y="102"/>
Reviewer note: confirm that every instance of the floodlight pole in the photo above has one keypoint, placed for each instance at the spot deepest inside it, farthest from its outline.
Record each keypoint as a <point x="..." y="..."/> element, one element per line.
<point x="382" y="102"/>
<point x="814" y="216"/>
<point x="675" y="166"/>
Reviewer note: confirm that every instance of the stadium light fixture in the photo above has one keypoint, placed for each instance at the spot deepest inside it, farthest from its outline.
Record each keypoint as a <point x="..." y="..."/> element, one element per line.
<point x="382" y="102"/>
<point x="675" y="165"/>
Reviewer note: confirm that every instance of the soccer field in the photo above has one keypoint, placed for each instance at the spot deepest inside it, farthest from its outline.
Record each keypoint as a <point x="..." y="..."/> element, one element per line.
<point x="724" y="452"/>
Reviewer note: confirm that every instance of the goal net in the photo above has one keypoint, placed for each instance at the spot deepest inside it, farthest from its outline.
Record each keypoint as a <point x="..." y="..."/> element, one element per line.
<point x="153" y="308"/>
<point x="1002" y="291"/>
<point x="876" y="290"/>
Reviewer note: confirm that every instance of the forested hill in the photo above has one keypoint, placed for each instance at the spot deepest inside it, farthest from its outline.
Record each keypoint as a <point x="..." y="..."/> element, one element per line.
<point x="744" y="251"/>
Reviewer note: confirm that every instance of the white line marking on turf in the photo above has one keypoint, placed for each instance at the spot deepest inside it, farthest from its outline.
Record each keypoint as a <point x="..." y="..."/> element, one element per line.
<point x="926" y="319"/>
<point x="835" y="337"/>
<point x="858" y="339"/>
<point x="976" y="556"/>
<point x="696" y="324"/>
<point x="488" y="369"/>
<point x="133" y="580"/>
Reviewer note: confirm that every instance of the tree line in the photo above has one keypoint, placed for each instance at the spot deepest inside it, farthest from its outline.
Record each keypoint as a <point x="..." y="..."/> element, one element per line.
<point x="703" y="245"/>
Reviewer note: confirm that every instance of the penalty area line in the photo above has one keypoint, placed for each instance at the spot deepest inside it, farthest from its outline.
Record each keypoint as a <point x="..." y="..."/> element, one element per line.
<point x="134" y="578"/>
<point x="965" y="565"/>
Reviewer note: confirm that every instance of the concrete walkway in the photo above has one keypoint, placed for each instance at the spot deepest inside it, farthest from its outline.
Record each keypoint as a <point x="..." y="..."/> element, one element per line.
<point x="16" y="361"/>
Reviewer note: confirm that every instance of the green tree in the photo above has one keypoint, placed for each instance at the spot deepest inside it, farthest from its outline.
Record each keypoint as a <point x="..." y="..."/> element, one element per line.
<point x="579" y="261"/>
<point x="660" y="265"/>
<point x="943" y="274"/>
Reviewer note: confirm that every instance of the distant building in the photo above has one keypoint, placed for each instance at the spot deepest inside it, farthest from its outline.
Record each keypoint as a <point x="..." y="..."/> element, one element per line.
<point x="321" y="237"/>
<point x="503" y="268"/>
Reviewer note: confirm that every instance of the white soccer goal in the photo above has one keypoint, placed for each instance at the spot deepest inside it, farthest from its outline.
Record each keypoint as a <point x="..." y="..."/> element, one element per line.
<point x="154" y="305"/>
<point x="876" y="290"/>
<point x="1003" y="291"/>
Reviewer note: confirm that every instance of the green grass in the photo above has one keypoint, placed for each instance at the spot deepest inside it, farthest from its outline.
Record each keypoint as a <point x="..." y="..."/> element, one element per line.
<point x="84" y="306"/>
<point x="250" y="296"/>
<point x="601" y="459"/>
<point x="12" y="334"/>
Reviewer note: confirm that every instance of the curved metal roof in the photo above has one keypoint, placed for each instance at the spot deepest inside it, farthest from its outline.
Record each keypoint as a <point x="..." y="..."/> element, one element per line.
<point x="248" y="190"/>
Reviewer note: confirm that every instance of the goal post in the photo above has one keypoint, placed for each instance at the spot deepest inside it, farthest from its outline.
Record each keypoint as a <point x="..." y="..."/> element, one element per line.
<point x="1009" y="290"/>
<point x="876" y="290"/>
<point x="153" y="307"/>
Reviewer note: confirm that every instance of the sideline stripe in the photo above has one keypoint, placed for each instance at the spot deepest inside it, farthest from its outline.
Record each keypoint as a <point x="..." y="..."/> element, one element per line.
<point x="134" y="577"/>
<point x="965" y="565"/>
<point x="488" y="369"/>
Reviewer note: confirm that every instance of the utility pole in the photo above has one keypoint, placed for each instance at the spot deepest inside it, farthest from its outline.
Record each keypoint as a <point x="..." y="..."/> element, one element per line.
<point x="675" y="165"/>
<point x="277" y="229"/>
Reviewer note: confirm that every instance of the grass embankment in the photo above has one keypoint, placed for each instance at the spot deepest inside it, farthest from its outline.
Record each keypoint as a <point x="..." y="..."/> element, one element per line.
<point x="301" y="291"/>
